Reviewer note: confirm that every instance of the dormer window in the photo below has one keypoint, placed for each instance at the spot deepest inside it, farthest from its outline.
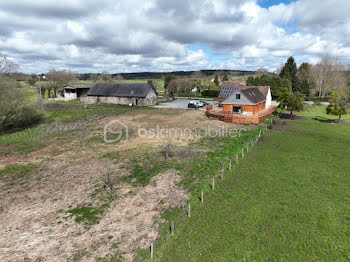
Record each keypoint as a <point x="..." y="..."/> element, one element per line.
<point x="238" y="96"/>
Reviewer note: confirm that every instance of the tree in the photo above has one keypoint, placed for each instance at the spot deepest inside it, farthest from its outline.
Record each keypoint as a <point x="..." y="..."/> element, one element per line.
<point x="197" y="75"/>
<point x="275" y="83"/>
<point x="6" y="65"/>
<point x="290" y="101"/>
<point x="31" y="80"/>
<point x="225" y="78"/>
<point x="168" y="79"/>
<point x="261" y="71"/>
<point x="180" y="86"/>
<point x="306" y="83"/>
<point x="105" y="77"/>
<point x="58" y="79"/>
<point x="15" y="112"/>
<point x="338" y="105"/>
<point x="216" y="80"/>
<point x="328" y="75"/>
<point x="119" y="77"/>
<point x="289" y="71"/>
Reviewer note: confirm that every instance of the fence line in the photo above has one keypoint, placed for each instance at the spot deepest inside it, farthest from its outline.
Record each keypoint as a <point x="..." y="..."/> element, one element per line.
<point x="261" y="132"/>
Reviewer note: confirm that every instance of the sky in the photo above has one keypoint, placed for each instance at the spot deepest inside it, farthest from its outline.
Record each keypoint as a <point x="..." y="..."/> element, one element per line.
<point x="165" y="35"/>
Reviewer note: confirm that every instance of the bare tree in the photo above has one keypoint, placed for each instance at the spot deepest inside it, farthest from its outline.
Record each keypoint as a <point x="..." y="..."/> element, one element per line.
<point x="197" y="75"/>
<point x="105" y="77"/>
<point x="119" y="77"/>
<point x="328" y="75"/>
<point x="58" y="79"/>
<point x="261" y="71"/>
<point x="6" y="65"/>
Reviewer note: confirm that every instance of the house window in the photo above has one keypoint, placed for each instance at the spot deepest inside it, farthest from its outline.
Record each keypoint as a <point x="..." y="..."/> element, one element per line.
<point x="238" y="96"/>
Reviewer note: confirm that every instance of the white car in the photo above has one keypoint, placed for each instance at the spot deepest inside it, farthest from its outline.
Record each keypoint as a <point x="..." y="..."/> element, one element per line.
<point x="198" y="103"/>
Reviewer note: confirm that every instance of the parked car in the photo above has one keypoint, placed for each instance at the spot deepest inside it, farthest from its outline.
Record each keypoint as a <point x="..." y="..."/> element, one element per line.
<point x="205" y="103"/>
<point x="199" y="103"/>
<point x="193" y="104"/>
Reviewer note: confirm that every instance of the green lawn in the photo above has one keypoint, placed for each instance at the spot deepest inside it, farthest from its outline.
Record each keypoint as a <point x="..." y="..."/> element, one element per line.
<point x="287" y="200"/>
<point x="319" y="112"/>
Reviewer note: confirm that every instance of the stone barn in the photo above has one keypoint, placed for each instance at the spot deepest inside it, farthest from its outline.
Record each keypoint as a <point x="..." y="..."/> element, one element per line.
<point x="137" y="94"/>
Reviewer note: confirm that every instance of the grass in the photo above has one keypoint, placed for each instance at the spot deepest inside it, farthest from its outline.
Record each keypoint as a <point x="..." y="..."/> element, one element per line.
<point x="286" y="201"/>
<point x="87" y="214"/>
<point x="319" y="113"/>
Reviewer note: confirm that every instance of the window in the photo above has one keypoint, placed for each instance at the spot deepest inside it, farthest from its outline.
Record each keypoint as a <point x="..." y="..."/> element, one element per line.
<point x="238" y="96"/>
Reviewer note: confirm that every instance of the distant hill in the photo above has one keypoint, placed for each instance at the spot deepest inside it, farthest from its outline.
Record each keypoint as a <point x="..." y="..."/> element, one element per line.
<point x="160" y="75"/>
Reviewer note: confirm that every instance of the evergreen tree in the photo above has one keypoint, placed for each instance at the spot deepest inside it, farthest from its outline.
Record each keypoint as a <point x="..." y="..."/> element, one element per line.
<point x="225" y="78"/>
<point x="338" y="105"/>
<point x="306" y="83"/>
<point x="216" y="80"/>
<point x="290" y="101"/>
<point x="289" y="71"/>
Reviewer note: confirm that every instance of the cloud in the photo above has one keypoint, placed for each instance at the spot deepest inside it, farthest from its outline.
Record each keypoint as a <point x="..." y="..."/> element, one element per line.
<point x="157" y="35"/>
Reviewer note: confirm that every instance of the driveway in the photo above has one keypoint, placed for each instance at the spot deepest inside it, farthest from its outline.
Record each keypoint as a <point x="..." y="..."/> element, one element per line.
<point x="177" y="103"/>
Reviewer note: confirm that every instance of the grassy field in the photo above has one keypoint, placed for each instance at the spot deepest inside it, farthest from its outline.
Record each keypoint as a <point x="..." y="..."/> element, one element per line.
<point x="286" y="201"/>
<point x="319" y="113"/>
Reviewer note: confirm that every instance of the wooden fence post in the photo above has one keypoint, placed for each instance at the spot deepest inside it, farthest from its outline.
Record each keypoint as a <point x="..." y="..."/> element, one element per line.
<point x="172" y="227"/>
<point x="213" y="186"/>
<point x="189" y="210"/>
<point x="229" y="166"/>
<point x="236" y="159"/>
<point x="202" y="197"/>
<point x="242" y="152"/>
<point x="151" y="250"/>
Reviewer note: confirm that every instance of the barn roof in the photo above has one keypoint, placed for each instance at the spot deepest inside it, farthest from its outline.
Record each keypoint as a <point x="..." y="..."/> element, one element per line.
<point x="120" y="89"/>
<point x="78" y="87"/>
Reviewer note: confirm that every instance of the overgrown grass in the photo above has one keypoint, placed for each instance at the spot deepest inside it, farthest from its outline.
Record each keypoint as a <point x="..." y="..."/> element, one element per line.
<point x="287" y="200"/>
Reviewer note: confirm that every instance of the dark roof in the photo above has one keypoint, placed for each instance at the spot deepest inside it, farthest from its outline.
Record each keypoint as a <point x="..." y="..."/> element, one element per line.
<point x="226" y="91"/>
<point x="253" y="94"/>
<point x="120" y="89"/>
<point x="78" y="87"/>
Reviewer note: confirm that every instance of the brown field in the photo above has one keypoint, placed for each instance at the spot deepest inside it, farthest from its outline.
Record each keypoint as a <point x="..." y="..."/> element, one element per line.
<point x="70" y="172"/>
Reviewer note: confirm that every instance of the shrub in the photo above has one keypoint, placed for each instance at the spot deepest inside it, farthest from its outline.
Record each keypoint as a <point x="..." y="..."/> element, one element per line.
<point x="14" y="112"/>
<point x="211" y="93"/>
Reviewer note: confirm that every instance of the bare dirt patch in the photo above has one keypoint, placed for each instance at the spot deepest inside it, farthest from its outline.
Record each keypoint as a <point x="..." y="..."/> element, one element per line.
<point x="32" y="218"/>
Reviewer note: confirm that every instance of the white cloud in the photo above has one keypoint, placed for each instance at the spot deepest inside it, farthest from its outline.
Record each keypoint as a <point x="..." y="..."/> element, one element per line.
<point x="88" y="36"/>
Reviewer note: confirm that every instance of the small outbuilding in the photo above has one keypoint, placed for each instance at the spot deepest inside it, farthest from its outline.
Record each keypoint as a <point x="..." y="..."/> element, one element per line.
<point x="74" y="91"/>
<point x="137" y="94"/>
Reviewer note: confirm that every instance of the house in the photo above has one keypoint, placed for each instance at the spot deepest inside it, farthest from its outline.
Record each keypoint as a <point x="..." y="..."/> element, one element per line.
<point x="74" y="91"/>
<point x="245" y="101"/>
<point x="138" y="94"/>
<point x="227" y="88"/>
<point x="243" y="105"/>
